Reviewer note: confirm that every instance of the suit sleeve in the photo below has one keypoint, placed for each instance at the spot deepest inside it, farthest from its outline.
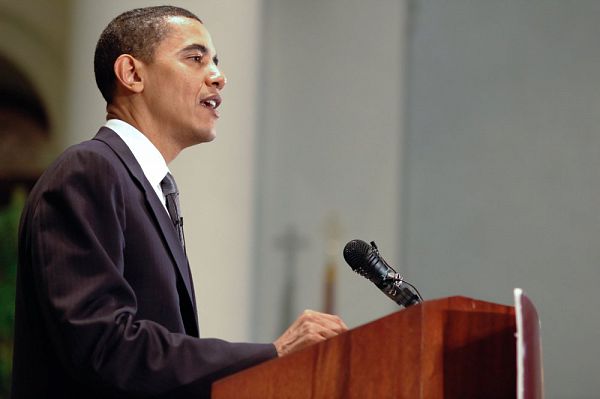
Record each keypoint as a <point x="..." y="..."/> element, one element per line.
<point x="77" y="247"/>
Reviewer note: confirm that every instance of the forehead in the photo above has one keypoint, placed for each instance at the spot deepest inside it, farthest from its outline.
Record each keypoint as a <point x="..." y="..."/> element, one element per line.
<point x="184" y="32"/>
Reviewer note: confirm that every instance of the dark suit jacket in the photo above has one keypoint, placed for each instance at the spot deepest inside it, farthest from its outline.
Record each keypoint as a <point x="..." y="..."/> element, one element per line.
<point x="105" y="305"/>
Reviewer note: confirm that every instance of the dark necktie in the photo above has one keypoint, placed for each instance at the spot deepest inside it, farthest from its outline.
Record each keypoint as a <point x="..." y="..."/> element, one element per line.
<point x="169" y="189"/>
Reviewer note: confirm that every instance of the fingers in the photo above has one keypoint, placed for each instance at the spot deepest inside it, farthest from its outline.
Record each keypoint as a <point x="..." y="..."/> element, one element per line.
<point x="309" y="328"/>
<point x="327" y="321"/>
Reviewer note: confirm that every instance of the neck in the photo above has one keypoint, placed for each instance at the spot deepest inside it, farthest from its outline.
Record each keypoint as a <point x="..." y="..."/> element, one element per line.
<point x="147" y="126"/>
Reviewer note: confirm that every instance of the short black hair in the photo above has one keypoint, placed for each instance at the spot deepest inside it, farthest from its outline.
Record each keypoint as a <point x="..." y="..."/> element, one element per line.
<point x="136" y="32"/>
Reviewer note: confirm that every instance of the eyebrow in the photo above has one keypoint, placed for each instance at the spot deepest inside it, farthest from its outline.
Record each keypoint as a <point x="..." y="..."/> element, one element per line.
<point x="201" y="48"/>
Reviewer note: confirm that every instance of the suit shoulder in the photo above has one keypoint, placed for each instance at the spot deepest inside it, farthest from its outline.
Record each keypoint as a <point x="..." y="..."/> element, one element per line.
<point x="90" y="151"/>
<point x="88" y="158"/>
<point x="91" y="163"/>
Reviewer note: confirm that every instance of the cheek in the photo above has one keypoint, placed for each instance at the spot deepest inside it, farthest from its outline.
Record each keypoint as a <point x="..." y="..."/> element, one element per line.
<point x="175" y="91"/>
<point x="187" y="94"/>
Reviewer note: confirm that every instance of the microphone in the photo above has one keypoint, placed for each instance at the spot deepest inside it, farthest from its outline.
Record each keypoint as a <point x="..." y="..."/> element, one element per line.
<point x="365" y="260"/>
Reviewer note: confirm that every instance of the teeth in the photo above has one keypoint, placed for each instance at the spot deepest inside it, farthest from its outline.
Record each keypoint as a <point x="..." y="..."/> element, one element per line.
<point x="210" y="103"/>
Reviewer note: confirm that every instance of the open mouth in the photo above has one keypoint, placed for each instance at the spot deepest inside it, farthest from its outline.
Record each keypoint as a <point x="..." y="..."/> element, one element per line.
<point x="211" y="102"/>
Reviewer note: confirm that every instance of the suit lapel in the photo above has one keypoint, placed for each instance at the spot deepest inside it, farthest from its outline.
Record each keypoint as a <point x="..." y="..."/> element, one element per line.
<point x="167" y="229"/>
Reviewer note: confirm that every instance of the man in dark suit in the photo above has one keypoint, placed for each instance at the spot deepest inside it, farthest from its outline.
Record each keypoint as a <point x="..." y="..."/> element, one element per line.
<point x="105" y="301"/>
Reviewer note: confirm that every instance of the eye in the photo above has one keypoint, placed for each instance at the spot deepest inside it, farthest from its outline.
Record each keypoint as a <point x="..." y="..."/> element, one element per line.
<point x="197" y="58"/>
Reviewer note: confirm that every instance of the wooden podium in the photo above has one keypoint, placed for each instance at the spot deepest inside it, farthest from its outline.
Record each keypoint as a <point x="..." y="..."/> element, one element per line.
<point x="447" y="348"/>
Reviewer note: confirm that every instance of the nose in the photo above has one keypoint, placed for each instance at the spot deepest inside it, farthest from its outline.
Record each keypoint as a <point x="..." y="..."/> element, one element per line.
<point x="216" y="78"/>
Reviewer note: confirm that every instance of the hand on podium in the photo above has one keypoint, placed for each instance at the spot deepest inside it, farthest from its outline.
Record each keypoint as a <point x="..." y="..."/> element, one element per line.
<point x="309" y="328"/>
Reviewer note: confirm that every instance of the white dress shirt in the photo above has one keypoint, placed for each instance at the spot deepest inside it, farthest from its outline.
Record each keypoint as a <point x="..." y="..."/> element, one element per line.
<point x="150" y="159"/>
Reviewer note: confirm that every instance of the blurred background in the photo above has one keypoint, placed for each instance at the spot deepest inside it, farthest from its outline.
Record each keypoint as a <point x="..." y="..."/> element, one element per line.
<point x="462" y="136"/>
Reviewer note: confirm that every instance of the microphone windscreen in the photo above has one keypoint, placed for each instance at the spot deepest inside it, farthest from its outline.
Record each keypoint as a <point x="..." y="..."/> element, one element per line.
<point x="355" y="254"/>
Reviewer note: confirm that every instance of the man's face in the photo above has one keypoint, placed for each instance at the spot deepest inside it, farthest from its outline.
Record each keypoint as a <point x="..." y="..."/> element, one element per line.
<point x="182" y="84"/>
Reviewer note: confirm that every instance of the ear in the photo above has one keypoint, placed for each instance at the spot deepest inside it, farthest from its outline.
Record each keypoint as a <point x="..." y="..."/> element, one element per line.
<point x="128" y="71"/>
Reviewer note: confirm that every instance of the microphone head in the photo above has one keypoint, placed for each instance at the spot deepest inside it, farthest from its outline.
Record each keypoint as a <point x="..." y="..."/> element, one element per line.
<point x="356" y="254"/>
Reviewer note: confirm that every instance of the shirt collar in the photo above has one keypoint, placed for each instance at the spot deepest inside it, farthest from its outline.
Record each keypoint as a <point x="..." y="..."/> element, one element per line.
<point x="150" y="159"/>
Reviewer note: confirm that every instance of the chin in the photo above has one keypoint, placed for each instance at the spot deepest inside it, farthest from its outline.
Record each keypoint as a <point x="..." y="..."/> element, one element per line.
<point x="211" y="136"/>
<point x="206" y="137"/>
<point x="201" y="135"/>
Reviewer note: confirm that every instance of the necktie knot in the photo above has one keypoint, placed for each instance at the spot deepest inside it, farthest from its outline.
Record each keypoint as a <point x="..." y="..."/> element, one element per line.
<point x="168" y="185"/>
